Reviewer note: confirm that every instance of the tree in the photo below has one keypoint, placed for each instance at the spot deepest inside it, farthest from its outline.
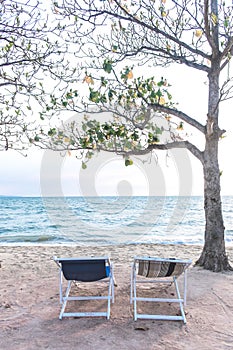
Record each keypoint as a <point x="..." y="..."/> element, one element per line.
<point x="195" y="33"/>
<point x="29" y="52"/>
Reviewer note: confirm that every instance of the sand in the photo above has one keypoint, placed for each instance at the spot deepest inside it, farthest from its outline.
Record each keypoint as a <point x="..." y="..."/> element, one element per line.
<point x="29" y="304"/>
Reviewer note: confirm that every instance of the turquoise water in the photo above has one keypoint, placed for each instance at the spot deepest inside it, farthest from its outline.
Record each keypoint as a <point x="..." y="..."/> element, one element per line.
<point x="107" y="220"/>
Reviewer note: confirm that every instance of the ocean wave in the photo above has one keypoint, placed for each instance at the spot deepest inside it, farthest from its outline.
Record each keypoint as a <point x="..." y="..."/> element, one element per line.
<point x="107" y="220"/>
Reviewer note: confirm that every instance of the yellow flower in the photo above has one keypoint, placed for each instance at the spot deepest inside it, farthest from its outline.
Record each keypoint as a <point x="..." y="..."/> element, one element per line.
<point x="162" y="101"/>
<point x="88" y="80"/>
<point x="198" y="33"/>
<point x="130" y="75"/>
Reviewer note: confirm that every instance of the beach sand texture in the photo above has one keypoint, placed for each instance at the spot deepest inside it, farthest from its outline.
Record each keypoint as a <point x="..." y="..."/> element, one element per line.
<point x="29" y="304"/>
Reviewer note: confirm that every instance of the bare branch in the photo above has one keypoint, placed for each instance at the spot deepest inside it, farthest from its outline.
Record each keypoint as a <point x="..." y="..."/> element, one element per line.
<point x="154" y="29"/>
<point x="170" y="145"/>
<point x="181" y="115"/>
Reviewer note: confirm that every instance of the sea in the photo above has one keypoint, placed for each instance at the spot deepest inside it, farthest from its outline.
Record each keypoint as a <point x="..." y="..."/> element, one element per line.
<point x="107" y="220"/>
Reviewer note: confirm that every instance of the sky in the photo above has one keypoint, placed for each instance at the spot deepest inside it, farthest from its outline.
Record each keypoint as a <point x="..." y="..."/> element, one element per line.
<point x="46" y="173"/>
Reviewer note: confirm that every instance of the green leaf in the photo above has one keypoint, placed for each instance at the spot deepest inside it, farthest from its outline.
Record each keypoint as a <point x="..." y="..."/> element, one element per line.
<point x="103" y="99"/>
<point x="226" y="22"/>
<point x="89" y="155"/>
<point x="52" y="132"/>
<point x="69" y="95"/>
<point x="107" y="66"/>
<point x="41" y="115"/>
<point x="84" y="166"/>
<point x="161" y="82"/>
<point x="158" y="130"/>
<point x="84" y="127"/>
<point x="128" y="162"/>
<point x="94" y="96"/>
<point x="103" y="82"/>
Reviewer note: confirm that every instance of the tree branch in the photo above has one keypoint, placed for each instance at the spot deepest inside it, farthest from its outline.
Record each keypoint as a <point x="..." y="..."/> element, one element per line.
<point x="155" y="29"/>
<point x="181" y="144"/>
<point x="170" y="145"/>
<point x="227" y="49"/>
<point x="181" y="115"/>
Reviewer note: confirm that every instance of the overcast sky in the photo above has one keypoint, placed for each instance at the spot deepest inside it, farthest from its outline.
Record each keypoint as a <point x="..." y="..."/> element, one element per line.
<point x="46" y="173"/>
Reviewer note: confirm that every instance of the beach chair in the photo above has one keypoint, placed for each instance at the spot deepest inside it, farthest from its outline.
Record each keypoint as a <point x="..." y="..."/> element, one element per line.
<point x="79" y="271"/>
<point x="158" y="272"/>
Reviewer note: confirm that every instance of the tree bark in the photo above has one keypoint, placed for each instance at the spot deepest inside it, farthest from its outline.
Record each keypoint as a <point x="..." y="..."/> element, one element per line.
<point x="213" y="256"/>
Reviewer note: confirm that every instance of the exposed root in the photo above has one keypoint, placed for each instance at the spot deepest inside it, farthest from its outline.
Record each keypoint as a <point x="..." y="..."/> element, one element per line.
<point x="212" y="261"/>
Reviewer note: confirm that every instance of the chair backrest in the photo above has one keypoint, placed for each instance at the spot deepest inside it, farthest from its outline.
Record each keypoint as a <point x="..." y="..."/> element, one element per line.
<point x="155" y="267"/>
<point x="84" y="270"/>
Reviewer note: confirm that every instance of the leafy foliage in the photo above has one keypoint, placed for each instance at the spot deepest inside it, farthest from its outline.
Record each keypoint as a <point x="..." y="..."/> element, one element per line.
<point x="131" y="128"/>
<point x="31" y="59"/>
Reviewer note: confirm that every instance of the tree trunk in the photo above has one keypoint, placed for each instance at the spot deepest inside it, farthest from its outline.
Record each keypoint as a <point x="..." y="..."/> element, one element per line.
<point x="213" y="256"/>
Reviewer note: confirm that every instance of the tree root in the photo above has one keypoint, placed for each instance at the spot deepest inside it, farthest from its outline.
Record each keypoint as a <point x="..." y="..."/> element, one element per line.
<point x="212" y="261"/>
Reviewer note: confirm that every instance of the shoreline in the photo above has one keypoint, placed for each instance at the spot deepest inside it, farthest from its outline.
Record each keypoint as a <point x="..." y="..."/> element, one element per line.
<point x="73" y="244"/>
<point x="130" y="249"/>
<point x="124" y="252"/>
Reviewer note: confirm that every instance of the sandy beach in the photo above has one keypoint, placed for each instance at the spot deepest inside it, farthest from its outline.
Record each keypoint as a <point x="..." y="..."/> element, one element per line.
<point x="29" y="304"/>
